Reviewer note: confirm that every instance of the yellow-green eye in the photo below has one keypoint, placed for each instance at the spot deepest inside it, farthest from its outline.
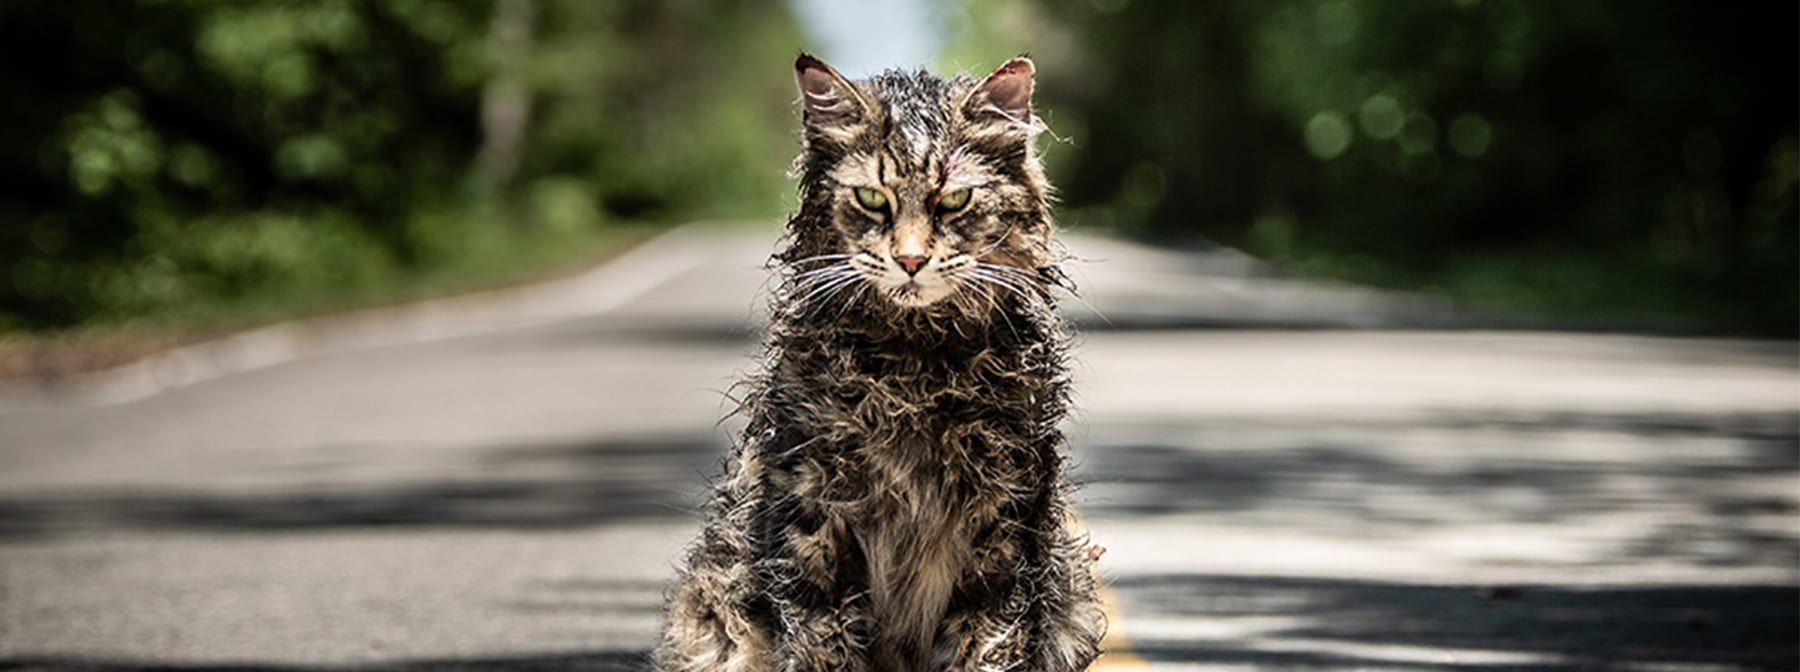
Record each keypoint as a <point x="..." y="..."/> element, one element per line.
<point x="954" y="200"/>
<point x="872" y="199"/>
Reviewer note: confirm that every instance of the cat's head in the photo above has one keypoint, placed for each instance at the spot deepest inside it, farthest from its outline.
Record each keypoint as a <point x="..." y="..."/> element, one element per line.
<point x="919" y="191"/>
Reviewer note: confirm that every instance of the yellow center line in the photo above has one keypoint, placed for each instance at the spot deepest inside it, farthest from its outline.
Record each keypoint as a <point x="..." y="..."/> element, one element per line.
<point x="1118" y="655"/>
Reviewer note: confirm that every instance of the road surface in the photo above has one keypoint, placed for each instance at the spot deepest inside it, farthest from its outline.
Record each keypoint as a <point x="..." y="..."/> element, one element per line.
<point x="1286" y="476"/>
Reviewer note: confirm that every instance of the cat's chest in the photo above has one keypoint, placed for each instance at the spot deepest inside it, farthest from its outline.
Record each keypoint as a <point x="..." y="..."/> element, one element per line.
<point x="916" y="546"/>
<point x="927" y="448"/>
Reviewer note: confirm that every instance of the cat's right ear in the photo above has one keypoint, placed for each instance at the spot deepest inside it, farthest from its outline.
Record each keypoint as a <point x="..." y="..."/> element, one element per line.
<point x="1006" y="93"/>
<point x="832" y="102"/>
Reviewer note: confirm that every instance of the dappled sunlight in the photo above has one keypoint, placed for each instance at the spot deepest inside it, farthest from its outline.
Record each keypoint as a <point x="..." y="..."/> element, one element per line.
<point x="1222" y="622"/>
<point x="1336" y="500"/>
<point x="1500" y="499"/>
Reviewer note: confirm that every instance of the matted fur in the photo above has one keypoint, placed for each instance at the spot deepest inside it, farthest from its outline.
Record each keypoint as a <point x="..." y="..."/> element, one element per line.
<point x="898" y="500"/>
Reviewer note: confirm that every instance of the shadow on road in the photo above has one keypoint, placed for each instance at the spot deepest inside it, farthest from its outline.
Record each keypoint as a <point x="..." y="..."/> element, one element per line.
<point x="515" y="487"/>
<point x="1289" y="623"/>
<point x="1555" y="496"/>
<point x="1701" y="483"/>
<point x="1695" y="490"/>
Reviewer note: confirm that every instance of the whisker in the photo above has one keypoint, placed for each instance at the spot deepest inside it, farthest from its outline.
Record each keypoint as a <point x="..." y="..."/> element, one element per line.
<point x="1001" y="240"/>
<point x="1037" y="279"/>
<point x="1021" y="273"/>
<point x="818" y="258"/>
<point x="803" y="293"/>
<point x="820" y="275"/>
<point x="822" y="269"/>
<point x="830" y="271"/>
<point x="853" y="299"/>
<point x="1034" y="276"/>
<point x="1002" y="281"/>
<point x="995" y="303"/>
<point x="1016" y="272"/>
<point x="1103" y="317"/>
<point x="1014" y="275"/>
<point x="826" y="290"/>
<point x="834" y="282"/>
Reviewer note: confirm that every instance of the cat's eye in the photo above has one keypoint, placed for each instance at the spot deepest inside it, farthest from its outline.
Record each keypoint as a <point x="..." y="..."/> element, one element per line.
<point x="953" y="201"/>
<point x="872" y="199"/>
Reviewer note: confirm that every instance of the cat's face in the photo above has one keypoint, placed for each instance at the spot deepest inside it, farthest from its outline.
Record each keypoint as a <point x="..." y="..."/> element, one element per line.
<point x="922" y="191"/>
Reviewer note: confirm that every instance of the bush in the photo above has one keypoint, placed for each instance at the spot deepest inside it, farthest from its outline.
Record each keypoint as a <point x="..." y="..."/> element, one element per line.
<point x="1632" y="163"/>
<point x="181" y="157"/>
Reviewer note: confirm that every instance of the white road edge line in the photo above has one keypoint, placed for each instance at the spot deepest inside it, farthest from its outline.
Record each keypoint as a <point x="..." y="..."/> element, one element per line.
<point x="603" y="289"/>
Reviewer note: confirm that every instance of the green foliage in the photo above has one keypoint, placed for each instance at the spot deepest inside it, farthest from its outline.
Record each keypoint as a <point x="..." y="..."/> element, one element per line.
<point x="174" y="158"/>
<point x="688" y="115"/>
<point x="1622" y="162"/>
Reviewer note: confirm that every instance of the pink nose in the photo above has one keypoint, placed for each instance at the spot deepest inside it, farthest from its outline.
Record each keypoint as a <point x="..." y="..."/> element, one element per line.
<point x="912" y="263"/>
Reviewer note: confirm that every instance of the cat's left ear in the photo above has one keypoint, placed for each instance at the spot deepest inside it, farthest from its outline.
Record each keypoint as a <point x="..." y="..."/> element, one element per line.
<point x="1006" y="92"/>
<point x="830" y="100"/>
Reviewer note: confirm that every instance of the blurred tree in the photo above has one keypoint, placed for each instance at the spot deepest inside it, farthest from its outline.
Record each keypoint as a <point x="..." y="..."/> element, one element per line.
<point x="506" y="103"/>
<point x="687" y="112"/>
<point x="167" y="151"/>
<point x="183" y="157"/>
<point x="1631" y="162"/>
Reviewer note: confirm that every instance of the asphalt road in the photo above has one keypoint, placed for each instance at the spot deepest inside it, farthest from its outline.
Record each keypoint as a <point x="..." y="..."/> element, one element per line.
<point x="1286" y="475"/>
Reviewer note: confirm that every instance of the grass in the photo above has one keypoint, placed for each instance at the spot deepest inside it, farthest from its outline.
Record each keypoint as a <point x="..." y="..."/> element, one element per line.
<point x="1573" y="290"/>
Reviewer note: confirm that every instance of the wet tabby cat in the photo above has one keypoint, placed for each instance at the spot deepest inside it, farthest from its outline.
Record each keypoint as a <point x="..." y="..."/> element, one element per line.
<point x="898" y="500"/>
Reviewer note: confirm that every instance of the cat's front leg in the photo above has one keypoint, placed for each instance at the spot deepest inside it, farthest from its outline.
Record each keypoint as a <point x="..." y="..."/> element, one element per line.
<point x="988" y="628"/>
<point x="1067" y="616"/>
<point x="1036" y="610"/>
<point x="1030" y="634"/>
<point x="815" y="583"/>
<point x="829" y="639"/>
<point x="710" y="628"/>
<point x="715" y="620"/>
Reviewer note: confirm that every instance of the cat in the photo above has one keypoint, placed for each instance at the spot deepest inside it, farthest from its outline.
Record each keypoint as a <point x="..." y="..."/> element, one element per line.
<point x="898" y="501"/>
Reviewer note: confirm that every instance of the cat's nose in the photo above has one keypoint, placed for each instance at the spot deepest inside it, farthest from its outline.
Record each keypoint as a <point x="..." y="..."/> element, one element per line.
<point x="912" y="263"/>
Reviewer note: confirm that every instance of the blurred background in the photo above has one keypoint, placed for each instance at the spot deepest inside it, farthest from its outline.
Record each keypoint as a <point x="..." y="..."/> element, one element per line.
<point x="1624" y="165"/>
<point x="394" y="334"/>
